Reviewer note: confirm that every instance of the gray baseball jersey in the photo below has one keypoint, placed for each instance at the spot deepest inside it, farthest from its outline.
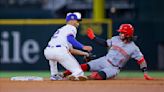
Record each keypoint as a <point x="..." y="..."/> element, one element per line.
<point x="117" y="56"/>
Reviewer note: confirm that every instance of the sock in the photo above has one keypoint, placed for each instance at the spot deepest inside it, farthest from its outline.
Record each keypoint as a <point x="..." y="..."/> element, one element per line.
<point x="84" y="67"/>
<point x="98" y="75"/>
<point x="66" y="73"/>
<point x="53" y="67"/>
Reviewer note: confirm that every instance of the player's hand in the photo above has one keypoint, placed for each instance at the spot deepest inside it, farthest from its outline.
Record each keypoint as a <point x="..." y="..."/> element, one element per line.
<point x="87" y="48"/>
<point x="147" y="77"/>
<point x="89" y="57"/>
<point x="90" y="33"/>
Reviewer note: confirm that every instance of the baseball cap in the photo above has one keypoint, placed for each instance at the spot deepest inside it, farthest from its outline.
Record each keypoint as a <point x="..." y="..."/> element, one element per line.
<point x="73" y="16"/>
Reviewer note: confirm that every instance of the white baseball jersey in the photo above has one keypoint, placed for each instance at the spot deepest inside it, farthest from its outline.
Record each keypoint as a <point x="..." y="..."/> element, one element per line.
<point x="60" y="36"/>
<point x="57" y="51"/>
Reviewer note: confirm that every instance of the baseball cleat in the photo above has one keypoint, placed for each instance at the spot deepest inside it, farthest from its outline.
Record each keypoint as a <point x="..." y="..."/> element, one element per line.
<point x="82" y="78"/>
<point x="72" y="78"/>
<point x="56" y="77"/>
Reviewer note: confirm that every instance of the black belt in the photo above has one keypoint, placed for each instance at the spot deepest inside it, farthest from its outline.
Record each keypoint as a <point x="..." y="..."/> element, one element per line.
<point x="54" y="46"/>
<point x="113" y="64"/>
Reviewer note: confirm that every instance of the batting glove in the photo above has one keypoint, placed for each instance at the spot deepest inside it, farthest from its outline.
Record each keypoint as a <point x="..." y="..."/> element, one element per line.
<point x="90" y="33"/>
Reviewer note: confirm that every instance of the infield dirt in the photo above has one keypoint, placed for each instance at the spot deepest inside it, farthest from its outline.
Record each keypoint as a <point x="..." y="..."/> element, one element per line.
<point x="117" y="85"/>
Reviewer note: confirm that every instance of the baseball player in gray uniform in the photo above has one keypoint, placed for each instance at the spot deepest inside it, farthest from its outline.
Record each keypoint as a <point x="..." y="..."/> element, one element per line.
<point x="122" y="48"/>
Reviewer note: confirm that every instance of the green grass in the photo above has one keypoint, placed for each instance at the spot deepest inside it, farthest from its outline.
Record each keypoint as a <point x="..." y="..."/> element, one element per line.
<point x="122" y="74"/>
<point x="138" y="74"/>
<point x="24" y="73"/>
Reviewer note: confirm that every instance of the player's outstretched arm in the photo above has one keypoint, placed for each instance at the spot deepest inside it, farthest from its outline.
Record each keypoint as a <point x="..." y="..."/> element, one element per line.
<point x="78" y="52"/>
<point x="143" y="67"/>
<point x="77" y="44"/>
<point x="92" y="36"/>
<point x="87" y="48"/>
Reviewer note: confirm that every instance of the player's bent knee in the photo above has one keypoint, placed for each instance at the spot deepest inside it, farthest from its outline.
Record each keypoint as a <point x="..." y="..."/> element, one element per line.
<point x="98" y="75"/>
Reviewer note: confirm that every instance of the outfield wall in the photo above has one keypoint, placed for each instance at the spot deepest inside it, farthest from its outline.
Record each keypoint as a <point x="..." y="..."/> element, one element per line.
<point x="22" y="41"/>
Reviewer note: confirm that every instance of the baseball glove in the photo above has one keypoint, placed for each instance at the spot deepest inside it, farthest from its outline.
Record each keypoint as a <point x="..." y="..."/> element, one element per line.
<point x="90" y="57"/>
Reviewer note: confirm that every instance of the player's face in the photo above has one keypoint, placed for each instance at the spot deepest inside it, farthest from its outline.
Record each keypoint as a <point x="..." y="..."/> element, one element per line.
<point x="76" y="23"/>
<point x="122" y="36"/>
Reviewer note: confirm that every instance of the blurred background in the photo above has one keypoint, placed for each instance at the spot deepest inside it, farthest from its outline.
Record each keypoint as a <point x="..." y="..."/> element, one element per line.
<point x="27" y="25"/>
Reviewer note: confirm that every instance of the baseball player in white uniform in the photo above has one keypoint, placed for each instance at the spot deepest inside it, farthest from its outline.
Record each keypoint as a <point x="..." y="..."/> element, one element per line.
<point x="61" y="47"/>
<point x="122" y="48"/>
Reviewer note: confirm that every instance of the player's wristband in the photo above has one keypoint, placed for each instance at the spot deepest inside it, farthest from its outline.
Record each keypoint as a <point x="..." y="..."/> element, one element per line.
<point x="144" y="69"/>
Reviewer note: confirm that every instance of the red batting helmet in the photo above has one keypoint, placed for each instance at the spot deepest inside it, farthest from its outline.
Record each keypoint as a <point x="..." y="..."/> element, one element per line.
<point x="126" y="29"/>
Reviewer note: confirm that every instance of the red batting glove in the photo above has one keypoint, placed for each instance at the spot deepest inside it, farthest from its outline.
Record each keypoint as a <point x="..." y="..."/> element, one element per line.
<point x="90" y="33"/>
<point x="147" y="77"/>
